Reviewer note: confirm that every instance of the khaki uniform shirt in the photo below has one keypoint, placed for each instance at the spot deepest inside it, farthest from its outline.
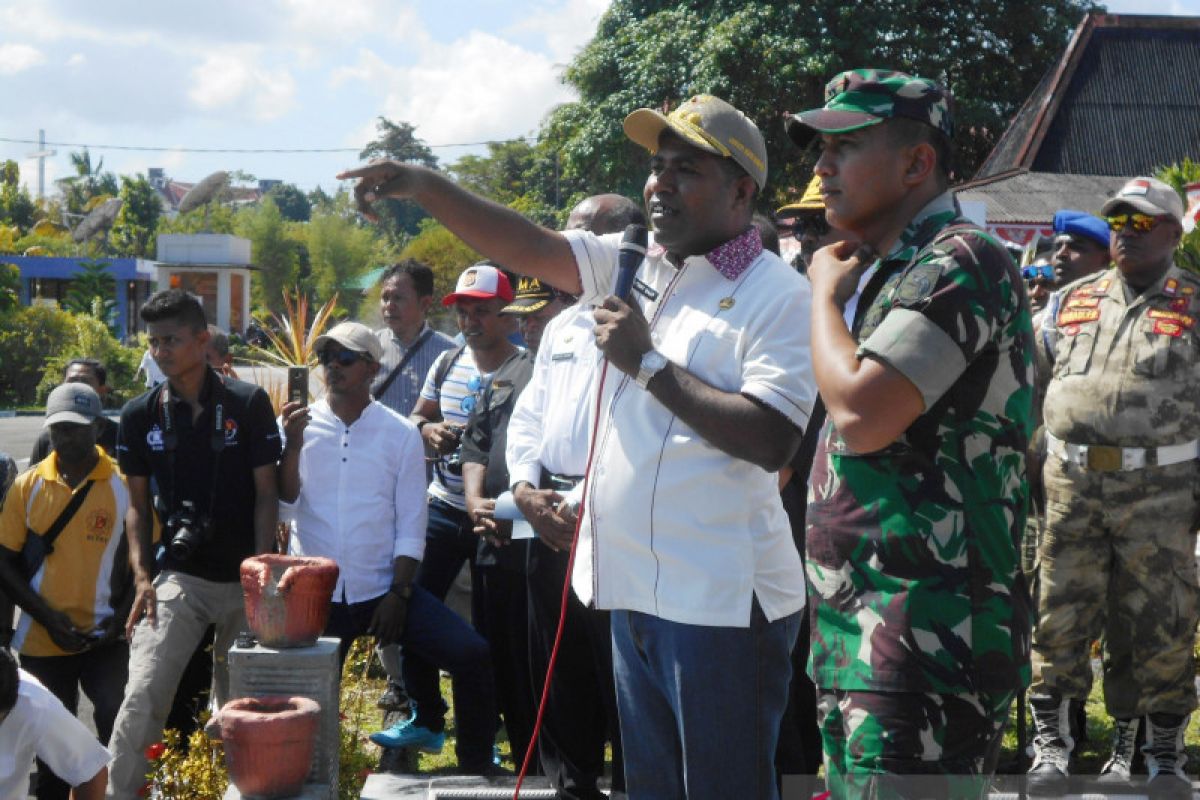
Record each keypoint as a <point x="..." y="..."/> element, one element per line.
<point x="1124" y="366"/>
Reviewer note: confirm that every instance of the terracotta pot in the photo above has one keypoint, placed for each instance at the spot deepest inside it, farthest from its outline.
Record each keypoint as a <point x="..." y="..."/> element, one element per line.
<point x="287" y="598"/>
<point x="268" y="742"/>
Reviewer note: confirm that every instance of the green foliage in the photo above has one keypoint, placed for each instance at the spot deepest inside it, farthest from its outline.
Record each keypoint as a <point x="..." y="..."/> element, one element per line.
<point x="91" y="338"/>
<point x="16" y="206"/>
<point x="443" y="252"/>
<point x="656" y="54"/>
<point x="137" y="221"/>
<point x="1179" y="176"/>
<point x="293" y="204"/>
<point x="398" y="141"/>
<point x="194" y="772"/>
<point x="88" y="184"/>
<point x="45" y="245"/>
<point x="10" y="287"/>
<point x="29" y="336"/>
<point x="93" y="291"/>
<point x="339" y="250"/>
<point x="210" y="218"/>
<point x="274" y="252"/>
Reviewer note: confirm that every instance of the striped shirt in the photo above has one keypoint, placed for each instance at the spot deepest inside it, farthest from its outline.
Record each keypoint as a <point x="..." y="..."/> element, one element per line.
<point x="401" y="395"/>
<point x="76" y="578"/>
<point x="455" y="397"/>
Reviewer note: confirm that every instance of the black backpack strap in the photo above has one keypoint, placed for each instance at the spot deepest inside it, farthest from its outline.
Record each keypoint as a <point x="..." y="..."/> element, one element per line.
<point x="64" y="517"/>
<point x="446" y="365"/>
<point x="408" y="354"/>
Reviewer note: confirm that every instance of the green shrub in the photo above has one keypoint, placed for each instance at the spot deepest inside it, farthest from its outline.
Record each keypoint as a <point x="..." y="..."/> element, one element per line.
<point x="91" y="338"/>
<point x="29" y="338"/>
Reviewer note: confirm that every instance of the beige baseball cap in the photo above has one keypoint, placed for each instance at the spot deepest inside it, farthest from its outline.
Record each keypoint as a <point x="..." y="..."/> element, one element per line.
<point x="710" y="124"/>
<point x="72" y="402"/>
<point x="1148" y="195"/>
<point x="352" y="336"/>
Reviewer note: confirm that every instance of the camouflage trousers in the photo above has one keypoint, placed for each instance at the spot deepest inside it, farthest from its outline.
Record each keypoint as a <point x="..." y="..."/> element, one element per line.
<point x="909" y="744"/>
<point x="1117" y="557"/>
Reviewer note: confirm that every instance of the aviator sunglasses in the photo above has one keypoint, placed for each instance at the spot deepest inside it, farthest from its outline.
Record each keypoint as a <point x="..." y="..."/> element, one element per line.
<point x="1141" y="223"/>
<point x="342" y="356"/>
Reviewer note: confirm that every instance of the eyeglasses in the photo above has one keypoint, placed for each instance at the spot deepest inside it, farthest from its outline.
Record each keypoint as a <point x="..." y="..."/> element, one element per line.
<point x="1033" y="273"/>
<point x="1141" y="223"/>
<point x="343" y="357"/>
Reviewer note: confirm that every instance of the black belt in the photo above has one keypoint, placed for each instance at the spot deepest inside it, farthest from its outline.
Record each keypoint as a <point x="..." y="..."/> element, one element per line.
<point x="559" y="483"/>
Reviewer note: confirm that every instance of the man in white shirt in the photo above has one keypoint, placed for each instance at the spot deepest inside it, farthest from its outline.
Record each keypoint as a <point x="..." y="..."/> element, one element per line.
<point x="708" y="387"/>
<point x="35" y="724"/>
<point x="354" y="471"/>
<point x="547" y="455"/>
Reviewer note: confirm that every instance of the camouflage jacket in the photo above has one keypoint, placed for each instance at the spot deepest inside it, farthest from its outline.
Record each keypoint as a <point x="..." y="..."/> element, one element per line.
<point x="1124" y="366"/>
<point x="912" y="558"/>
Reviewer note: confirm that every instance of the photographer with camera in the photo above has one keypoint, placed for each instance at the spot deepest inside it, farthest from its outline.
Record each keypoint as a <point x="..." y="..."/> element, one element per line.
<point x="210" y="443"/>
<point x="63" y="561"/>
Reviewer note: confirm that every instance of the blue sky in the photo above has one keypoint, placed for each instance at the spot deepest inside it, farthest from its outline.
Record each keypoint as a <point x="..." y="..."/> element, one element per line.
<point x="288" y="74"/>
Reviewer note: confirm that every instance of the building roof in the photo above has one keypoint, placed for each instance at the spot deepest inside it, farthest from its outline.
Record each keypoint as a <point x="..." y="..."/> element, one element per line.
<point x="1020" y="196"/>
<point x="1122" y="100"/>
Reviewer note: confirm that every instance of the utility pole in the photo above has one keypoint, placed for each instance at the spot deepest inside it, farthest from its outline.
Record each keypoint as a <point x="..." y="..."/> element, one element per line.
<point x="41" y="155"/>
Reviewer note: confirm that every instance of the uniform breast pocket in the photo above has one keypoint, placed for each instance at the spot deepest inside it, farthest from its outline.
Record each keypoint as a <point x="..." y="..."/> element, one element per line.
<point x="713" y="349"/>
<point x="1165" y="348"/>
<point x="500" y="396"/>
<point x="1073" y="353"/>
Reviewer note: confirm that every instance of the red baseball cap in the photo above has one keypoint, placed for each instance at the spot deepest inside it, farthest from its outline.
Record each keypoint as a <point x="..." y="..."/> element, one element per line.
<point x="482" y="282"/>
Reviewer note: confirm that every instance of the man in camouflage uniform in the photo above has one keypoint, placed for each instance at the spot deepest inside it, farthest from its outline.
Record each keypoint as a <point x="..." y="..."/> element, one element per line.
<point x="920" y="613"/>
<point x="1122" y="417"/>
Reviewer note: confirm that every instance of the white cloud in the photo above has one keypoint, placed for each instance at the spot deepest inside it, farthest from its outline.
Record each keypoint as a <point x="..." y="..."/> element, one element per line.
<point x="234" y="78"/>
<point x="76" y="60"/>
<point x="566" y="27"/>
<point x="16" y="58"/>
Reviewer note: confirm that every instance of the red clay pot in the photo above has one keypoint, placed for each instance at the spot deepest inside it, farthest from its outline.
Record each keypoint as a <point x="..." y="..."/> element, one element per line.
<point x="287" y="598"/>
<point x="268" y="743"/>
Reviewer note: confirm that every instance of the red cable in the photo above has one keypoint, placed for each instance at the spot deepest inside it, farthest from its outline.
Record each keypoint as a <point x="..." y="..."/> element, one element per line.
<point x="566" y="592"/>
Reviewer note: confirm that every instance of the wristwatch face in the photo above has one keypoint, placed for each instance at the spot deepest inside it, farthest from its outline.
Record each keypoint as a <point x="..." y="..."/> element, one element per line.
<point x="652" y="363"/>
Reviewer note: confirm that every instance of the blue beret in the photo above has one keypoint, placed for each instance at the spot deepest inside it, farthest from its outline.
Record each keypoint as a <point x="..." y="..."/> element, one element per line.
<point x="1079" y="223"/>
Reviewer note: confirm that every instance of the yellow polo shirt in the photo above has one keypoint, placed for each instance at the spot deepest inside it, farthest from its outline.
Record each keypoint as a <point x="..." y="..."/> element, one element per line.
<point x="77" y="577"/>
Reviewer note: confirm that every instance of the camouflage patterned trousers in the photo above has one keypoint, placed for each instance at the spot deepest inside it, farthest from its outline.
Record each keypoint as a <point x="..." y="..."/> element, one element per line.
<point x="1118" y="557"/>
<point x="908" y="744"/>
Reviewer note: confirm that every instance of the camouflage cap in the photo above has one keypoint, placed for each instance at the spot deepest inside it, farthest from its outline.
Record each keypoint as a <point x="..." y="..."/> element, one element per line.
<point x="710" y="124"/>
<point x="861" y="97"/>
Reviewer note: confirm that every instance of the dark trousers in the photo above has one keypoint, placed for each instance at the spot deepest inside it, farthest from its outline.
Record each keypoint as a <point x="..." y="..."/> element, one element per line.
<point x="799" y="750"/>
<point x="581" y="710"/>
<point x="436" y="636"/>
<point x="449" y="543"/>
<point x="504" y="621"/>
<point x="101" y="672"/>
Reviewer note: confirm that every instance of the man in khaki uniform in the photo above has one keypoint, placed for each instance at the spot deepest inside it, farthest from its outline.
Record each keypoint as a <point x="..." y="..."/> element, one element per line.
<point x="1122" y="417"/>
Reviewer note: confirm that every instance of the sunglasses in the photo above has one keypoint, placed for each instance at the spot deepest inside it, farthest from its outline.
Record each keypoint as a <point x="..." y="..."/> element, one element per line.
<point x="1038" y="271"/>
<point x="1141" y="223"/>
<point x="342" y="356"/>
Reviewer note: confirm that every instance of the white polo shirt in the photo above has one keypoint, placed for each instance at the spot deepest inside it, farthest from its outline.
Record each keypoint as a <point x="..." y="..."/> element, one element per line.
<point x="675" y="527"/>
<point x="552" y="420"/>
<point x="39" y="726"/>
<point x="362" y="497"/>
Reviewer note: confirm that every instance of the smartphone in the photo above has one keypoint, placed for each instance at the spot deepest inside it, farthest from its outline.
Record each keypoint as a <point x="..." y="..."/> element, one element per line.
<point x="297" y="391"/>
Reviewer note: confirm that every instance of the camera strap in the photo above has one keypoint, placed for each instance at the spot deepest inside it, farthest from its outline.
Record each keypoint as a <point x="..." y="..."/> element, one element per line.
<point x="171" y="436"/>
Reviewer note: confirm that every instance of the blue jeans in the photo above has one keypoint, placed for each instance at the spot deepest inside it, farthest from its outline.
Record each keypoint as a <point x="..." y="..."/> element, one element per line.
<point x="700" y="706"/>
<point x="435" y="635"/>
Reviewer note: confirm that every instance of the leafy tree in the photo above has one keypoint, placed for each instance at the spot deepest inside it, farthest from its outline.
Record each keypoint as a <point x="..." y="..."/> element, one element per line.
<point x="398" y="141"/>
<point x="339" y="251"/>
<point x="28" y="337"/>
<point x="10" y="287"/>
<point x="318" y="199"/>
<point x="88" y="337"/>
<point x="513" y="173"/>
<point x="93" y="292"/>
<point x="443" y="252"/>
<point x="88" y="185"/>
<point x="273" y="252"/>
<point x="137" y="221"/>
<point x="209" y="218"/>
<point x="1180" y="176"/>
<point x="16" y="206"/>
<point x="657" y="53"/>
<point x="293" y="204"/>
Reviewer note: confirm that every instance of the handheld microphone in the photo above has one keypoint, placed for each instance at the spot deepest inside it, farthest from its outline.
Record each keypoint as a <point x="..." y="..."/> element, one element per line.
<point x="629" y="258"/>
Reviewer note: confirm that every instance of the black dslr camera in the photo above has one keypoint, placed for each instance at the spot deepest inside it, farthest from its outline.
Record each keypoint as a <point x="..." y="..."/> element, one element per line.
<point x="187" y="530"/>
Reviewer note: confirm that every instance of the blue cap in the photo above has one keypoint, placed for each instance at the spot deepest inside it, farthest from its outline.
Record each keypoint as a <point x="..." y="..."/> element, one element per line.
<point x="1079" y="223"/>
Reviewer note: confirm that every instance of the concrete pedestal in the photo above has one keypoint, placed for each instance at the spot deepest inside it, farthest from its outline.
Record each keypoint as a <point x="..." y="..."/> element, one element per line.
<point x="304" y="671"/>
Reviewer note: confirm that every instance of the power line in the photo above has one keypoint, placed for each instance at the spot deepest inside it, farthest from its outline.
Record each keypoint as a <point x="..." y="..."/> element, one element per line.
<point x="241" y="150"/>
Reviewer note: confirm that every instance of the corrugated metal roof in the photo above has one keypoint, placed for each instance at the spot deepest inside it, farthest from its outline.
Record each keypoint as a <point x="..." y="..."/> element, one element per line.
<point x="1123" y="100"/>
<point x="1034" y="197"/>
